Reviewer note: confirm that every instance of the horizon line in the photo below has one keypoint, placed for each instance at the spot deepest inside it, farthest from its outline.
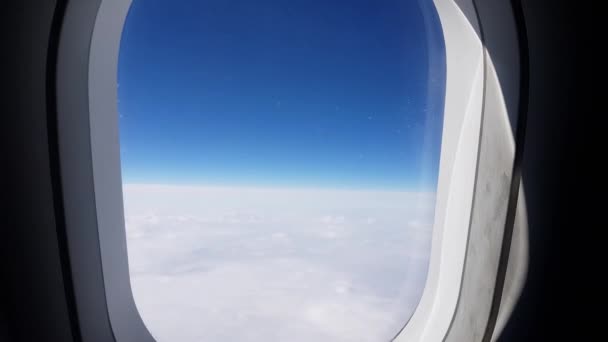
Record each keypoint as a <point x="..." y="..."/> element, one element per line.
<point x="279" y="187"/>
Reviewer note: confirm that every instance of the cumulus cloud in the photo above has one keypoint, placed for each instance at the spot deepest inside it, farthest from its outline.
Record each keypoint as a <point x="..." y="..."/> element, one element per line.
<point x="264" y="264"/>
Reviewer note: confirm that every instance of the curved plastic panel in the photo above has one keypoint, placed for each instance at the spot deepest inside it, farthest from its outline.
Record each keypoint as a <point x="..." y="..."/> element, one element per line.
<point x="126" y="322"/>
<point x="457" y="174"/>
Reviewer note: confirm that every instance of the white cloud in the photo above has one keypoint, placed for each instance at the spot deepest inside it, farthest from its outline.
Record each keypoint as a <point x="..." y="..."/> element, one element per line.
<point x="255" y="264"/>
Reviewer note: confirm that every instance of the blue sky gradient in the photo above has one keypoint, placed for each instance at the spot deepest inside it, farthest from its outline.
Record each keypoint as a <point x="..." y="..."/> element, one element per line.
<point x="282" y="93"/>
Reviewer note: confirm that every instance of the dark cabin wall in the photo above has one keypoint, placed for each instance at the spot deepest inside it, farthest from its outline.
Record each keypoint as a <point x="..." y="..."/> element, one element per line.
<point x="32" y="297"/>
<point x="550" y="172"/>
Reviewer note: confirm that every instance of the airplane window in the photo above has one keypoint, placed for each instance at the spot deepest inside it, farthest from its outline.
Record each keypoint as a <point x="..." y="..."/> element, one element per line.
<point x="279" y="164"/>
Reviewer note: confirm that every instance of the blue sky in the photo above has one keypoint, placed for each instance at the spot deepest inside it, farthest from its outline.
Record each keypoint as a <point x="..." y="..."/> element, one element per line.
<point x="294" y="93"/>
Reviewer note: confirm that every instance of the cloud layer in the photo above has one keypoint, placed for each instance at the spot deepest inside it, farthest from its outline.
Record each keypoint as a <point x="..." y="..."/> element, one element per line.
<point x="255" y="264"/>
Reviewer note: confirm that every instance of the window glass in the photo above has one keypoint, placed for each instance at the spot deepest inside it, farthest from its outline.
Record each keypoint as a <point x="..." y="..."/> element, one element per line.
<point x="279" y="164"/>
